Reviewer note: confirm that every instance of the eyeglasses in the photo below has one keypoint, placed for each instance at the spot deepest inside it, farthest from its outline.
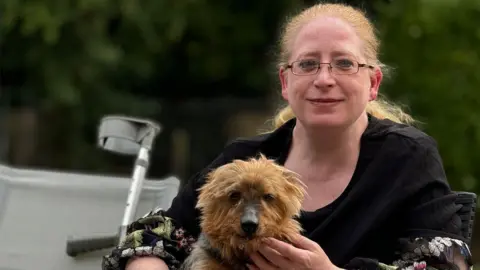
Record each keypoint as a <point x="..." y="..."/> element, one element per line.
<point x="339" y="66"/>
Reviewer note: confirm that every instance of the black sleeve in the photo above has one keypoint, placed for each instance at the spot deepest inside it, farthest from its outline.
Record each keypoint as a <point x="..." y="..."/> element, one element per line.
<point x="168" y="234"/>
<point x="431" y="238"/>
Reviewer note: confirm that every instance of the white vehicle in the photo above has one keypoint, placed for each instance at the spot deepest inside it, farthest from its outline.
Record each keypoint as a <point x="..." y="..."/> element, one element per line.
<point x="66" y="221"/>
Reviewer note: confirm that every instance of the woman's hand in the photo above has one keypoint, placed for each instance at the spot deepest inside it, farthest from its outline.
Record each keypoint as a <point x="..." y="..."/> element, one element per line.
<point x="303" y="254"/>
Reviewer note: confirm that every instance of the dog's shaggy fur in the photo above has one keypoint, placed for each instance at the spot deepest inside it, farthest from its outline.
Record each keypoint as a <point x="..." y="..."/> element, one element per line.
<point x="257" y="191"/>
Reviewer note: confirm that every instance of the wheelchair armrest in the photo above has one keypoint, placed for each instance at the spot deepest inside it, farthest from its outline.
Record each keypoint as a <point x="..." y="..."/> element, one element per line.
<point x="468" y="200"/>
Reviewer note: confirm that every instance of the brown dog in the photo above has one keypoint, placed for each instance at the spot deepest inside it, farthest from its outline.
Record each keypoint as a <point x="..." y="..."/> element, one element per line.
<point x="241" y="203"/>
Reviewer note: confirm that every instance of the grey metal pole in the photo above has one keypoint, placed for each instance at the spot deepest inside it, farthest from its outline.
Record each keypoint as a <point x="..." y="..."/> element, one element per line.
<point x="141" y="166"/>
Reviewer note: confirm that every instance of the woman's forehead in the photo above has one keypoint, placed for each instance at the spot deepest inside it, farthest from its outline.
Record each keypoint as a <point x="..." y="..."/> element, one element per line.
<point x="326" y="36"/>
<point x="315" y="52"/>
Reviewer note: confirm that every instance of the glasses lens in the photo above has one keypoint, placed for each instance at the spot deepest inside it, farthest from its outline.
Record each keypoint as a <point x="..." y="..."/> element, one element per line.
<point x="305" y="67"/>
<point x="344" y="66"/>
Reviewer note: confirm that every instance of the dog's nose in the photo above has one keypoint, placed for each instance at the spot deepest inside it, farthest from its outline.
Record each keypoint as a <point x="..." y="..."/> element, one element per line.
<point x="249" y="227"/>
<point x="249" y="220"/>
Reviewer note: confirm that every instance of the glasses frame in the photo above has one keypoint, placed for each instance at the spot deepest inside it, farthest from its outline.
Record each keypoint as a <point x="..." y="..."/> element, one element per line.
<point x="330" y="68"/>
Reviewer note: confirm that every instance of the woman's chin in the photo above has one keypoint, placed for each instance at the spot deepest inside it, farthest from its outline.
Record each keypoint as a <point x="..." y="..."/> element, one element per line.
<point x="324" y="121"/>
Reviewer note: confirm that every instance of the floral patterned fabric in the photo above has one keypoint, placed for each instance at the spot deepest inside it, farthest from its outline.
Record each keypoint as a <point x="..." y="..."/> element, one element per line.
<point x="152" y="235"/>
<point x="422" y="254"/>
<point x="439" y="252"/>
<point x="157" y="235"/>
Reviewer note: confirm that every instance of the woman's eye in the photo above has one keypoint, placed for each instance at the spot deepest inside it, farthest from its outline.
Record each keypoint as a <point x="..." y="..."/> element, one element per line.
<point x="308" y="64"/>
<point x="344" y="63"/>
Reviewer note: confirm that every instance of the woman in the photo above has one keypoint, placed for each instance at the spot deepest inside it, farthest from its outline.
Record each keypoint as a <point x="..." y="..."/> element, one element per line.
<point x="378" y="195"/>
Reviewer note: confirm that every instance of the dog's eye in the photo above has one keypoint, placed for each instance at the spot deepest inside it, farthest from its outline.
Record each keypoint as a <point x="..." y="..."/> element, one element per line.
<point x="235" y="196"/>
<point x="268" y="197"/>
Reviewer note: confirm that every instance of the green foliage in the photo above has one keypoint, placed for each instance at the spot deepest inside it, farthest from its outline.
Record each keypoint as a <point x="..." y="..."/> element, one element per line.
<point x="87" y="58"/>
<point x="67" y="50"/>
<point x="433" y="47"/>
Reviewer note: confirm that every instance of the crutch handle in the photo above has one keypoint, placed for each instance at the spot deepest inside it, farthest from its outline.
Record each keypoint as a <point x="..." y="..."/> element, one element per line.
<point x="78" y="246"/>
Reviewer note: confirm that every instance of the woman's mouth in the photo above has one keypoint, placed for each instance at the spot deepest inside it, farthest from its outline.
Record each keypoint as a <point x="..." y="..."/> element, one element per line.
<point x="324" y="101"/>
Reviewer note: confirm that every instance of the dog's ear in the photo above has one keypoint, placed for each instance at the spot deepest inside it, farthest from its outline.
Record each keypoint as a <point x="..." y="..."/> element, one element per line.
<point x="262" y="157"/>
<point x="216" y="182"/>
<point x="206" y="192"/>
<point x="295" y="188"/>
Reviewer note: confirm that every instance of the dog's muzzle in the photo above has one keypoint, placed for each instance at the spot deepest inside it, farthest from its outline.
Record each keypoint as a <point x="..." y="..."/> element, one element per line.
<point x="249" y="220"/>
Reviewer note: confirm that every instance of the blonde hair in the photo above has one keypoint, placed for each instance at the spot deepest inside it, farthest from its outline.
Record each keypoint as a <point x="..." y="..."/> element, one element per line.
<point x="379" y="108"/>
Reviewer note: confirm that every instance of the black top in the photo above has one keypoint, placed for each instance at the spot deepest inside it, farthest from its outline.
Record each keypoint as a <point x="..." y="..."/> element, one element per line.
<point x="398" y="191"/>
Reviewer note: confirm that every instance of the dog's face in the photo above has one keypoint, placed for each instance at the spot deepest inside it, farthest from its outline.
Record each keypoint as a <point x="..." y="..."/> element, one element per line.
<point x="245" y="201"/>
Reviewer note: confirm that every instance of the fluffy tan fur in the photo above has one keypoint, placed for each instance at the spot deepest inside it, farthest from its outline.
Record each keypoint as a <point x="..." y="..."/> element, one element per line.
<point x="279" y="194"/>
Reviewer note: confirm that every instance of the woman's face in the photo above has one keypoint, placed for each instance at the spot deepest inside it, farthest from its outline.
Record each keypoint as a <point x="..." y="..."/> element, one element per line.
<point x="335" y="97"/>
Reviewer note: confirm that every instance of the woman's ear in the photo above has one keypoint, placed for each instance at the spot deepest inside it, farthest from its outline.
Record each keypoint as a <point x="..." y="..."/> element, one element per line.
<point x="282" y="74"/>
<point x="375" y="80"/>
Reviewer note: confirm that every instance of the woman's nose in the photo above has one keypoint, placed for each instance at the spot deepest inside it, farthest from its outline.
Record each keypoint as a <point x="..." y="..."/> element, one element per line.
<point x="324" y="77"/>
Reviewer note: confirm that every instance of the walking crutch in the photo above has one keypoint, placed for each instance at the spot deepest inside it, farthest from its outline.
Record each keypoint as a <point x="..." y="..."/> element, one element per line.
<point x="127" y="136"/>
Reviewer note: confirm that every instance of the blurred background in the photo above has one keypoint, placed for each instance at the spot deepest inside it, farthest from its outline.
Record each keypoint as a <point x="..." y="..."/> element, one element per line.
<point x="205" y="70"/>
